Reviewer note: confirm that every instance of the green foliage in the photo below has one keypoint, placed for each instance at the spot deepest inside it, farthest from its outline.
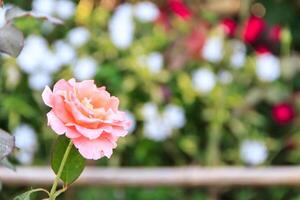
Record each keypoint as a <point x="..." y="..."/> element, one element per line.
<point x="74" y="165"/>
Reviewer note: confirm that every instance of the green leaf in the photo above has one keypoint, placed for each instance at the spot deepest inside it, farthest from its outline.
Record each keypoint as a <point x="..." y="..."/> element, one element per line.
<point x="26" y="195"/>
<point x="18" y="105"/>
<point x="75" y="162"/>
<point x="7" y="144"/>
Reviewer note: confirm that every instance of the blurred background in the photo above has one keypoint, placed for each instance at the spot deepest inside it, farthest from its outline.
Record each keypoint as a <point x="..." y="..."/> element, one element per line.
<point x="206" y="83"/>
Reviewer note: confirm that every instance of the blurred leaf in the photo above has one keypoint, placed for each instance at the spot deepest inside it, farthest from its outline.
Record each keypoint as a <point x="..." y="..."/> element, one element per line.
<point x="75" y="162"/>
<point x="11" y="40"/>
<point x="18" y="105"/>
<point x="188" y="145"/>
<point x="26" y="195"/>
<point x="7" y="144"/>
<point x="16" y="12"/>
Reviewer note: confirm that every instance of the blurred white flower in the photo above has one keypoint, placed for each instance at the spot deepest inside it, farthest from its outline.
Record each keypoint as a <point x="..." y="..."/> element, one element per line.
<point x="85" y="68"/>
<point x="79" y="36"/>
<point x="131" y="117"/>
<point x="213" y="49"/>
<point x="2" y="17"/>
<point x="121" y="27"/>
<point x="26" y="141"/>
<point x="225" y="77"/>
<point x="253" y="152"/>
<point x="203" y="80"/>
<point x="65" y="9"/>
<point x="24" y="157"/>
<point x="174" y="116"/>
<point x="25" y="137"/>
<point x="38" y="80"/>
<point x="149" y="111"/>
<point x="267" y="67"/>
<point x="32" y="55"/>
<point x="51" y="63"/>
<point x="46" y="7"/>
<point x="238" y="56"/>
<point x="157" y="129"/>
<point x="146" y="11"/>
<point x="154" y="62"/>
<point x="64" y="52"/>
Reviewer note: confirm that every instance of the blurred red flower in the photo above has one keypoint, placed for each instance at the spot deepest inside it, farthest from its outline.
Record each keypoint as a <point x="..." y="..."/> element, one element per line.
<point x="283" y="113"/>
<point x="254" y="26"/>
<point x="262" y="49"/>
<point x="195" y="40"/>
<point x="163" y="19"/>
<point x="180" y="9"/>
<point x="229" y="26"/>
<point x="275" y="33"/>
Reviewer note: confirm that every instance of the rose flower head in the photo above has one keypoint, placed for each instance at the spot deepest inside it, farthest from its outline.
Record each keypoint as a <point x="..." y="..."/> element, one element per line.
<point x="86" y="114"/>
<point x="283" y="113"/>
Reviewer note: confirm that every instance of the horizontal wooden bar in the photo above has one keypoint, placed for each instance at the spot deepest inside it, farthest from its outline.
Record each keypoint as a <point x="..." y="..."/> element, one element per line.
<point x="166" y="176"/>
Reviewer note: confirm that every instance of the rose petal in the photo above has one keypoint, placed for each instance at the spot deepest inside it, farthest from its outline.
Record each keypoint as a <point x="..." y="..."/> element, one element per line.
<point x="85" y="88"/>
<point x="56" y="124"/>
<point x="80" y="118"/>
<point x="72" y="133"/>
<point x="113" y="103"/>
<point x="94" y="149"/>
<point x="62" y="85"/>
<point x="119" y="132"/>
<point x="89" y="133"/>
<point x="72" y="81"/>
<point x="95" y="133"/>
<point x="47" y="96"/>
<point x="85" y="110"/>
<point x="59" y="108"/>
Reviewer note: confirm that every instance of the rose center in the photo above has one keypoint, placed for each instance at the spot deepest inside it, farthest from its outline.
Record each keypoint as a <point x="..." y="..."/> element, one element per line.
<point x="87" y="103"/>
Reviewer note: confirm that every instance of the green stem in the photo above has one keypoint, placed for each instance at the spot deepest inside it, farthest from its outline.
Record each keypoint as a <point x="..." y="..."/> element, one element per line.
<point x="61" y="167"/>
<point x="245" y="9"/>
<point x="213" y="153"/>
<point x="215" y="129"/>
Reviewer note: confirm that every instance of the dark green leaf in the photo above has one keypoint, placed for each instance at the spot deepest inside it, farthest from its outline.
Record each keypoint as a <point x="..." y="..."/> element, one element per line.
<point x="7" y="144"/>
<point x="26" y="195"/>
<point x="75" y="162"/>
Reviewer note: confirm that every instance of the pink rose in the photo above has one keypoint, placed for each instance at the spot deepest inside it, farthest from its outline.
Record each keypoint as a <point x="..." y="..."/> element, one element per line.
<point x="87" y="115"/>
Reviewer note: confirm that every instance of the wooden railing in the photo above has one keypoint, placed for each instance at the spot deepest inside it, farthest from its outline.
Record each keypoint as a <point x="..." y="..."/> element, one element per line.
<point x="145" y="177"/>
